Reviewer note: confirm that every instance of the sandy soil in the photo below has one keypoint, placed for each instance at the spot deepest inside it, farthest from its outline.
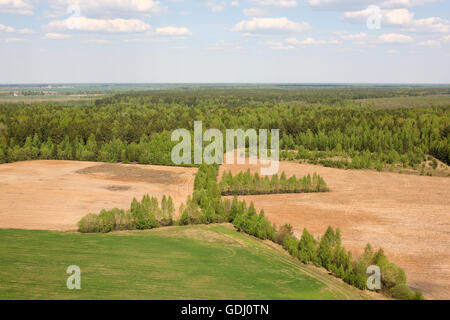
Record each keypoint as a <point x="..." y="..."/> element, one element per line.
<point x="54" y="195"/>
<point x="408" y="216"/>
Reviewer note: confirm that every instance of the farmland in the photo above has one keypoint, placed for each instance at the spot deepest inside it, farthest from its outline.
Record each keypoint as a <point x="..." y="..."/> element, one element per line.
<point x="54" y="195"/>
<point x="194" y="262"/>
<point x="406" y="215"/>
<point x="369" y="162"/>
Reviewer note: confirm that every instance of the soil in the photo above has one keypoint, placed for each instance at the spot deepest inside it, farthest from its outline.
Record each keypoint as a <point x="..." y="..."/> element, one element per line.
<point x="54" y="195"/>
<point x="406" y="215"/>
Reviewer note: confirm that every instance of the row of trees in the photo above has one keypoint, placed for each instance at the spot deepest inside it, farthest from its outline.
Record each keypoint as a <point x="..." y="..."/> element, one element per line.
<point x="206" y="206"/>
<point x="244" y="183"/>
<point x="146" y="214"/>
<point x="328" y="252"/>
<point x="155" y="149"/>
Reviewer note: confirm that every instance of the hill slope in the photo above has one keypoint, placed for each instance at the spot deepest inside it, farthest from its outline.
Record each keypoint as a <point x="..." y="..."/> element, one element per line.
<point x="193" y="262"/>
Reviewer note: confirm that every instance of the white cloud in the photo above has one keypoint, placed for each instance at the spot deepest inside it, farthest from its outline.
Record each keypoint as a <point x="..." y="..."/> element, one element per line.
<point x="223" y="45"/>
<point x="56" y="36"/>
<point x="445" y="38"/>
<point x="235" y="3"/>
<point x="275" y="45"/>
<point x="13" y="40"/>
<point x="395" y="38"/>
<point x="307" y="41"/>
<point x="254" y="12"/>
<point x="99" y="25"/>
<point x="173" y="31"/>
<point x="8" y="29"/>
<point x="215" y="6"/>
<point x="136" y="40"/>
<point x="107" y="8"/>
<point x="346" y="5"/>
<point x="276" y="3"/>
<point x="430" y="43"/>
<point x="365" y="40"/>
<point x="405" y="3"/>
<point x="24" y="7"/>
<point x="98" y="41"/>
<point x="271" y="25"/>
<point x="402" y="18"/>
<point x="358" y="39"/>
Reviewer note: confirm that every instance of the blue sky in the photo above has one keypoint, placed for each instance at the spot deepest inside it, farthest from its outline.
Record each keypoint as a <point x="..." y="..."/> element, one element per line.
<point x="312" y="41"/>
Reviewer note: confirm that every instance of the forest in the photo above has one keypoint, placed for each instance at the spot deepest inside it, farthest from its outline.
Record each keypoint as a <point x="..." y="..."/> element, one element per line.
<point x="244" y="183"/>
<point x="325" y="126"/>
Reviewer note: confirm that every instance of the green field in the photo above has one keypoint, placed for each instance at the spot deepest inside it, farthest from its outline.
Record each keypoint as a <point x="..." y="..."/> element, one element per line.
<point x="192" y="262"/>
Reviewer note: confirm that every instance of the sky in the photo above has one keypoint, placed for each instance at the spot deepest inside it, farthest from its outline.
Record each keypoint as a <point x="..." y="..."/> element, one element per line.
<point x="224" y="41"/>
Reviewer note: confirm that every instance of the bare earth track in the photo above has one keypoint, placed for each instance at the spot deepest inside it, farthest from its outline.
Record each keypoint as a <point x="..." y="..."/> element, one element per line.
<point x="54" y="195"/>
<point x="408" y="216"/>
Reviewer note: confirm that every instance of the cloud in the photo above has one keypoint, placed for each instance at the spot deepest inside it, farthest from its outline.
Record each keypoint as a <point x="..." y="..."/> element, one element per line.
<point x="401" y="18"/>
<point x="370" y="41"/>
<point x="339" y="5"/>
<point x="395" y="38"/>
<point x="98" y="41"/>
<point x="173" y="31"/>
<point x="254" y="12"/>
<point x="276" y="3"/>
<point x="107" y="8"/>
<point x="13" y="40"/>
<point x="235" y="3"/>
<point x="56" y="36"/>
<point x="275" y="45"/>
<point x="222" y="45"/>
<point x="99" y="25"/>
<point x="405" y="3"/>
<point x="347" y="5"/>
<point x="23" y="7"/>
<point x="271" y="25"/>
<point x="8" y="29"/>
<point x="214" y="6"/>
<point x="430" y="43"/>
<point x="307" y="41"/>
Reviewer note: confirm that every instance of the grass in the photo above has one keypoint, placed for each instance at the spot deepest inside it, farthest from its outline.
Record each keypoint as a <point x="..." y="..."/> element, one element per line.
<point x="192" y="262"/>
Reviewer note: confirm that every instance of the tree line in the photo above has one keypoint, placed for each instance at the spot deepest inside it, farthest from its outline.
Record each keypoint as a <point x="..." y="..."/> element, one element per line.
<point x="144" y="214"/>
<point x="244" y="183"/>
<point x="328" y="252"/>
<point x="207" y="206"/>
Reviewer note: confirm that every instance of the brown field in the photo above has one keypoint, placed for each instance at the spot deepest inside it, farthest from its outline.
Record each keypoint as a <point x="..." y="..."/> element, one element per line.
<point x="406" y="215"/>
<point x="435" y="100"/>
<point x="50" y="98"/>
<point x="54" y="195"/>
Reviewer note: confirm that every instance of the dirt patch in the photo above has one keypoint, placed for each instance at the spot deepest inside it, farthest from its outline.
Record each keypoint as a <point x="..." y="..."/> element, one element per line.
<point x="406" y="215"/>
<point x="117" y="188"/>
<point x="54" y="195"/>
<point x="121" y="172"/>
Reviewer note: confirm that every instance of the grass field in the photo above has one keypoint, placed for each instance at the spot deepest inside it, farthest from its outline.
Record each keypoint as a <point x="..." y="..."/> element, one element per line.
<point x="193" y="262"/>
